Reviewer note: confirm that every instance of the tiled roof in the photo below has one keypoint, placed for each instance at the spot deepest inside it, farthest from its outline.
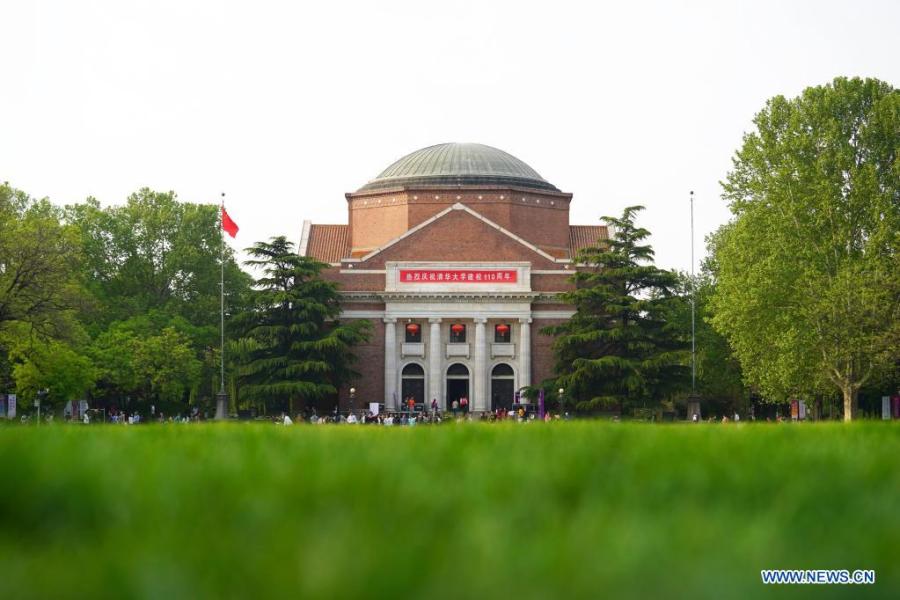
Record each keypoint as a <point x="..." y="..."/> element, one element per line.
<point x="329" y="243"/>
<point x="582" y="236"/>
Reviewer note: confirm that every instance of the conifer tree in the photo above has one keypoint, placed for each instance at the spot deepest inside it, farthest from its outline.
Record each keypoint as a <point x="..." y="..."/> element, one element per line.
<point x="293" y="347"/>
<point x="620" y="349"/>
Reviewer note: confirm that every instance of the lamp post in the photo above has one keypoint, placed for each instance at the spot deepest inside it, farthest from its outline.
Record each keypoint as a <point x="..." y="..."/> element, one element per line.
<point x="40" y="397"/>
<point x="562" y="403"/>
<point x="352" y="396"/>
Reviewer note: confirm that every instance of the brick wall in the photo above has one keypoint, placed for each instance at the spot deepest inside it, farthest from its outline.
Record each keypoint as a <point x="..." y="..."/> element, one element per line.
<point x="370" y="365"/>
<point x="551" y="283"/>
<point x="374" y="225"/>
<point x="542" y="218"/>
<point x="542" y="360"/>
<point x="460" y="237"/>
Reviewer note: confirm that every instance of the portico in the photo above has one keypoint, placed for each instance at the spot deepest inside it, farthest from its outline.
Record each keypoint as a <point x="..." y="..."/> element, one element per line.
<point x="435" y="334"/>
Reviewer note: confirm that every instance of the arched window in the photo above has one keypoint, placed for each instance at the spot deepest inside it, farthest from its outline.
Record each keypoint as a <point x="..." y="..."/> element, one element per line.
<point x="502" y="370"/>
<point x="457" y="370"/>
<point x="413" y="370"/>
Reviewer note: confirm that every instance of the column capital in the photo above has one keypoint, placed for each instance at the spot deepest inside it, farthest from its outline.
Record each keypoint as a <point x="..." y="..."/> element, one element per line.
<point x="389" y="320"/>
<point x="480" y="320"/>
<point x="525" y="320"/>
<point x="434" y="320"/>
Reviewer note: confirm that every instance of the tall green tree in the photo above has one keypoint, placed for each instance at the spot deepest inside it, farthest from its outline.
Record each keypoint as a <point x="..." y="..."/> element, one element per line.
<point x="156" y="253"/>
<point x="294" y="347"/>
<point x="39" y="261"/>
<point x="808" y="271"/>
<point x="151" y="265"/>
<point x="621" y="348"/>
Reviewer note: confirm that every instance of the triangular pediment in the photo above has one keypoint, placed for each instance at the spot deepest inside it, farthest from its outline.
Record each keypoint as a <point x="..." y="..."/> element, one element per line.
<point x="458" y="233"/>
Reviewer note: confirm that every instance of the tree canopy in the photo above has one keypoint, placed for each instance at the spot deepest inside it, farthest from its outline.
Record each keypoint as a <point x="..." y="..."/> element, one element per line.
<point x="808" y="271"/>
<point x="39" y="261"/>
<point x="114" y="304"/>
<point x="152" y="267"/>
<point x="155" y="253"/>
<point x="621" y="348"/>
<point x="293" y="346"/>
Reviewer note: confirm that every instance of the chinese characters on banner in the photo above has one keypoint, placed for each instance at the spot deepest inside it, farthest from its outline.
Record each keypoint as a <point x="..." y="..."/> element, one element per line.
<point x="458" y="276"/>
<point x="8" y="406"/>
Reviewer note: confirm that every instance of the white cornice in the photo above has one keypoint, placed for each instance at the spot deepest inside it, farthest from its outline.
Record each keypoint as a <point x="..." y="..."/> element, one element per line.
<point x="304" y="237"/>
<point x="552" y="314"/>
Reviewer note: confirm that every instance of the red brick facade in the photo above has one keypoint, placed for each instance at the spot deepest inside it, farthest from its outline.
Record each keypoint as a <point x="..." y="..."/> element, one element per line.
<point x="517" y="228"/>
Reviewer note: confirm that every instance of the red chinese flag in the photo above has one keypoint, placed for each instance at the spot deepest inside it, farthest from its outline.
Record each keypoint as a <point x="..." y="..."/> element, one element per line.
<point x="227" y="224"/>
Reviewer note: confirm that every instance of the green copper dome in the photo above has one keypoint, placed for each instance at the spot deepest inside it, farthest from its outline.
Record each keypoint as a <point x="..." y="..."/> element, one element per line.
<point x="458" y="164"/>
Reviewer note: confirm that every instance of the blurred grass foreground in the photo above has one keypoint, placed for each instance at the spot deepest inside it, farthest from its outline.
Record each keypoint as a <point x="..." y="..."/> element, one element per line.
<point x="491" y="511"/>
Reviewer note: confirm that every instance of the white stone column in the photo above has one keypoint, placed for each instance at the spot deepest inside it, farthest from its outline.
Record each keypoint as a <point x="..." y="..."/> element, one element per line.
<point x="479" y="383"/>
<point x="435" y="366"/>
<point x="524" y="352"/>
<point x="390" y="364"/>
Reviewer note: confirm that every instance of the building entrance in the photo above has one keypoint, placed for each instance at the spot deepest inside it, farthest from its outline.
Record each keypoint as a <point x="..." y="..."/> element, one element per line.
<point x="457" y="384"/>
<point x="502" y="387"/>
<point x="412" y="384"/>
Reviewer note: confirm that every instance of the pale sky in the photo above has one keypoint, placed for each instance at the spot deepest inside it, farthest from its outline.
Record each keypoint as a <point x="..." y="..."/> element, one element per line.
<point x="285" y="106"/>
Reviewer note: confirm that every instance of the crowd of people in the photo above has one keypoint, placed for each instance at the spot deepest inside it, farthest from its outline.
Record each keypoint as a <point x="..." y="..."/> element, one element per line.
<point x="459" y="412"/>
<point x="414" y="414"/>
<point x="194" y="415"/>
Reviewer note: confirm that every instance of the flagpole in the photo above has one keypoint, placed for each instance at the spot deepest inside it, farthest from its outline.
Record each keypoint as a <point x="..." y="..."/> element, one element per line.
<point x="693" y="411"/>
<point x="693" y="308"/>
<point x="221" y="397"/>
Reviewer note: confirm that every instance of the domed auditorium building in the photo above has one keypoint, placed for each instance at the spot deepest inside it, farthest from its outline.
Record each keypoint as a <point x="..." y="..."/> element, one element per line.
<point x="457" y="254"/>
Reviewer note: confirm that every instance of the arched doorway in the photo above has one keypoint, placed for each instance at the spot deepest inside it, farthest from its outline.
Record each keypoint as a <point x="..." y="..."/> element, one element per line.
<point x="502" y="387"/>
<point x="412" y="383"/>
<point x="457" y="384"/>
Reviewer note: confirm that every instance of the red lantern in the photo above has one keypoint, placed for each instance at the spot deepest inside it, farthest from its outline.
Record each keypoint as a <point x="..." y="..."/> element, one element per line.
<point x="502" y="329"/>
<point x="413" y="328"/>
<point x="457" y="328"/>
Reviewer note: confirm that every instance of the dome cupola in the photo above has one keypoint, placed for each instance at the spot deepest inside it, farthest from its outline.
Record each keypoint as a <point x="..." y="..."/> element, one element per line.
<point x="458" y="165"/>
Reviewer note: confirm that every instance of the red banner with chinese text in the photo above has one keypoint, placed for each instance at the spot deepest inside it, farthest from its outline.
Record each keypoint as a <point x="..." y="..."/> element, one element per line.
<point x="458" y="276"/>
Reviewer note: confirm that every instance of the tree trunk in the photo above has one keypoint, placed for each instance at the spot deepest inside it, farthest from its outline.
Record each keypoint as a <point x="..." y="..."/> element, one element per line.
<point x="850" y="402"/>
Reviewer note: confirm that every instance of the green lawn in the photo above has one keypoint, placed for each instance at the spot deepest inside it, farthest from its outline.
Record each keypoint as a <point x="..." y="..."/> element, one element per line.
<point x="510" y="511"/>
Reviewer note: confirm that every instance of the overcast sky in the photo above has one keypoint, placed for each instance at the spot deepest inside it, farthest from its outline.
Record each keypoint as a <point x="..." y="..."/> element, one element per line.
<point x="285" y="106"/>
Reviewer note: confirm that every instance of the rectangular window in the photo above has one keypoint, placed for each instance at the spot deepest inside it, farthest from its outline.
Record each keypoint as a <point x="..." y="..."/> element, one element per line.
<point x="502" y="333"/>
<point x="413" y="333"/>
<point x="457" y="333"/>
